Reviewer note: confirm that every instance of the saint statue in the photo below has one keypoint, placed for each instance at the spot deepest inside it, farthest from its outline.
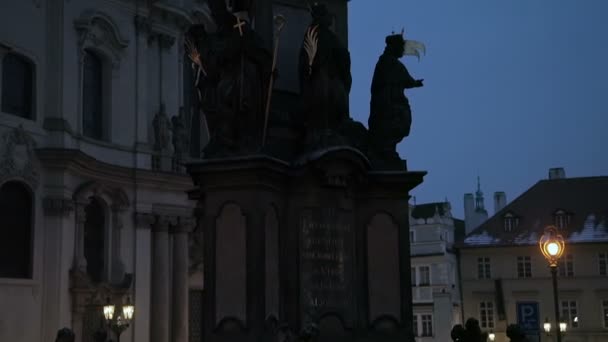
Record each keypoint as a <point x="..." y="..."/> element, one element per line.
<point x="390" y="114"/>
<point x="162" y="127"/>
<point x="325" y="78"/>
<point x="240" y="72"/>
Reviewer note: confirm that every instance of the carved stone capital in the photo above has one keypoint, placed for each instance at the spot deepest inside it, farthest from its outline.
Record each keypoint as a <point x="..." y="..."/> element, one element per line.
<point x="165" y="41"/>
<point x="183" y="225"/>
<point x="162" y="223"/>
<point x="57" y="206"/>
<point x="142" y="24"/>
<point x="143" y="220"/>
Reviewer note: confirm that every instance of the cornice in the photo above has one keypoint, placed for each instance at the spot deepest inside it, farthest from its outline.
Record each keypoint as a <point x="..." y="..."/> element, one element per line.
<point x="78" y="162"/>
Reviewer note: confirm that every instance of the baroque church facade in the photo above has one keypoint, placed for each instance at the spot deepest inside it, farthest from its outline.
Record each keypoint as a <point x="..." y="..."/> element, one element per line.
<point x="93" y="199"/>
<point x="97" y="99"/>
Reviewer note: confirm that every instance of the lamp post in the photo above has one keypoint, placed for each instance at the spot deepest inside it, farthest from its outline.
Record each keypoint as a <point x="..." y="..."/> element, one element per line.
<point x="552" y="246"/>
<point x="122" y="321"/>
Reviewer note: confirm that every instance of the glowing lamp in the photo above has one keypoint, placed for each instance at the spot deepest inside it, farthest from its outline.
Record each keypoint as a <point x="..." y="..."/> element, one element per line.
<point x="108" y="311"/>
<point x="552" y="245"/>
<point x="547" y="326"/>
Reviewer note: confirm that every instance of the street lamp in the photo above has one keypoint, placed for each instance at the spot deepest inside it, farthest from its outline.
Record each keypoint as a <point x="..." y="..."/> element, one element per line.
<point x="552" y="246"/>
<point x="547" y="326"/>
<point x="121" y="322"/>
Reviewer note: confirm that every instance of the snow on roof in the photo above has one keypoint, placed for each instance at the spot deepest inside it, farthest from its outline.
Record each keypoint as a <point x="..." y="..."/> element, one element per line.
<point x="526" y="238"/>
<point x="481" y="239"/>
<point x="591" y="231"/>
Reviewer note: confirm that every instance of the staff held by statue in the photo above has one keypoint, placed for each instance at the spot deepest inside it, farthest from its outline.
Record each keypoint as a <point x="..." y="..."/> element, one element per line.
<point x="280" y="22"/>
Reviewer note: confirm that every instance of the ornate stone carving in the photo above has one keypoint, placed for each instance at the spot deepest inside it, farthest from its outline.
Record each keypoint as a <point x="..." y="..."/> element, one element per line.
<point x="180" y="136"/>
<point x="57" y="206"/>
<point x="195" y="251"/>
<point x="97" y="28"/>
<point x="17" y="157"/>
<point x="162" y="128"/>
<point x="143" y="220"/>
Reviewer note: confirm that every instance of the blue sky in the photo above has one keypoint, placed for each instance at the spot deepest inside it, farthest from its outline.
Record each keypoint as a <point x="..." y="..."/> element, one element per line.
<point x="512" y="88"/>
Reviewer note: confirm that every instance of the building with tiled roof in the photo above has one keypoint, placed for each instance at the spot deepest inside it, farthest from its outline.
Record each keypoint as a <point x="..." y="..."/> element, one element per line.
<point x="502" y="268"/>
<point x="435" y="289"/>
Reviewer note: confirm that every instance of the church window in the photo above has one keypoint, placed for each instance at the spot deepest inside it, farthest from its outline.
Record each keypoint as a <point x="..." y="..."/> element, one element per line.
<point x="18" y="86"/>
<point x="94" y="239"/>
<point x="92" y="92"/>
<point x="16" y="228"/>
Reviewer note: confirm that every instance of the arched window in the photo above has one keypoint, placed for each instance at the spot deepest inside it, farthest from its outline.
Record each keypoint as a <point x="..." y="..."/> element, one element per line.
<point x="18" y="86"/>
<point x="94" y="239"/>
<point x="92" y="92"/>
<point x="16" y="229"/>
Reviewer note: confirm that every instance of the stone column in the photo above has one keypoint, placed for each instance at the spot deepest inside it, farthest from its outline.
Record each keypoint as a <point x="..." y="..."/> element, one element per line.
<point x="159" y="317"/>
<point x="180" y="279"/>
<point x="143" y="268"/>
<point x="80" y="262"/>
<point x="56" y="297"/>
<point x="142" y="26"/>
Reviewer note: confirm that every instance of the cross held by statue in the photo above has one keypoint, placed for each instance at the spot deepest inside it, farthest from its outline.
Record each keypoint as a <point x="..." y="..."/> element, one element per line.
<point x="239" y="25"/>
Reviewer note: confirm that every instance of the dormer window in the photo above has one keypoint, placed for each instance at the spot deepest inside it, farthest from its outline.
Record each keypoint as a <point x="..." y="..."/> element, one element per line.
<point x="510" y="221"/>
<point x="561" y="218"/>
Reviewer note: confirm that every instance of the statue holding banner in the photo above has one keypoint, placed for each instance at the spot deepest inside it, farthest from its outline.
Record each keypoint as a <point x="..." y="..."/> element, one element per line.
<point x="390" y="114"/>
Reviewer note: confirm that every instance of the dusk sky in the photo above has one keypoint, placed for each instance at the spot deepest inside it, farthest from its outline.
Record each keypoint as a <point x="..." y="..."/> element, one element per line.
<point x="512" y="88"/>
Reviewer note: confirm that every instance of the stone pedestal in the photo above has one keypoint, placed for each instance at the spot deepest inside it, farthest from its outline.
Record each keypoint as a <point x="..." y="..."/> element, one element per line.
<point x="336" y="231"/>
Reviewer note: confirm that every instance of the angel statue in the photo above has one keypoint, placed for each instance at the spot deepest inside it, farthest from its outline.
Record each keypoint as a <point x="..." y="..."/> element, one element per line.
<point x="390" y="115"/>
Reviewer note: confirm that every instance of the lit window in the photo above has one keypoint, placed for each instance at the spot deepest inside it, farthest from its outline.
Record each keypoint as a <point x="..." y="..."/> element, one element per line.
<point x="566" y="266"/>
<point x="570" y="313"/>
<point x="524" y="267"/>
<point x="483" y="268"/>
<point x="486" y="315"/>
<point x="603" y="263"/>
<point x="17" y="86"/>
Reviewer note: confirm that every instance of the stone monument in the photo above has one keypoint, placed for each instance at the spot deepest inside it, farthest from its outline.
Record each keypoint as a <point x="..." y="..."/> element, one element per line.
<point x="307" y="246"/>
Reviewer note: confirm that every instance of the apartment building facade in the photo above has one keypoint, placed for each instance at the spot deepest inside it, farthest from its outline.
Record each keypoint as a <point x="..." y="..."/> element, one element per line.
<point x="505" y="278"/>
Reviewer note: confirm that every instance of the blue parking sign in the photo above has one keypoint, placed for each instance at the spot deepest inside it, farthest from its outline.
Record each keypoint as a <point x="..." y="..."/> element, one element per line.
<point x="528" y="317"/>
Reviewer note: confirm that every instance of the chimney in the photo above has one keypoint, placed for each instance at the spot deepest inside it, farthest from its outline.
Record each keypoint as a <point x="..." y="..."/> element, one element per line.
<point x="557" y="173"/>
<point x="500" y="201"/>
<point x="469" y="210"/>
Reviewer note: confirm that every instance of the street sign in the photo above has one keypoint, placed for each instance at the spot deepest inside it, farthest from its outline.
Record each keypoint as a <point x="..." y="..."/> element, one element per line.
<point x="528" y="317"/>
